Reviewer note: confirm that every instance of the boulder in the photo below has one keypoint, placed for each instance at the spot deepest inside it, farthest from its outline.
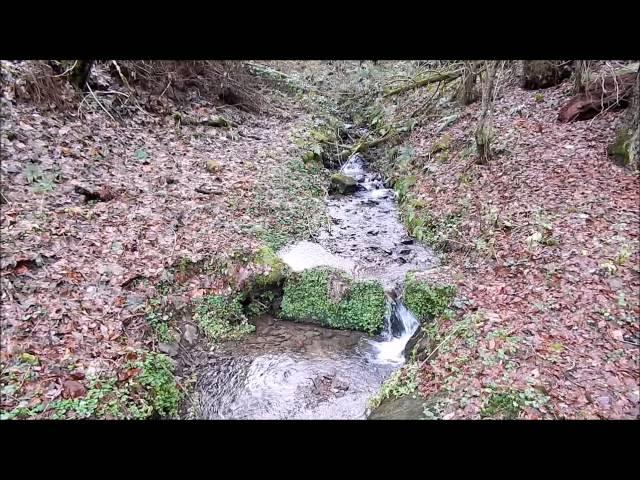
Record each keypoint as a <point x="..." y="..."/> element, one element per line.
<point x="418" y="347"/>
<point x="543" y="74"/>
<point x="343" y="184"/>
<point x="407" y="407"/>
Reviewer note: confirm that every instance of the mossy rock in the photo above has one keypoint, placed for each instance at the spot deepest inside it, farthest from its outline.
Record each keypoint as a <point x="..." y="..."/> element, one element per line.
<point x="418" y="347"/>
<point x="331" y="298"/>
<point x="622" y="150"/>
<point x="443" y="144"/>
<point x="343" y="184"/>
<point x="29" y="359"/>
<point x="405" y="407"/>
<point x="273" y="270"/>
<point x="311" y="157"/>
<point x="442" y="156"/>
<point x="427" y="298"/>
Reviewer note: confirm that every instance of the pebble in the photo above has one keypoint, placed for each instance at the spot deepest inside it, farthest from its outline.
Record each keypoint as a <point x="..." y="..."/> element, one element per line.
<point x="190" y="334"/>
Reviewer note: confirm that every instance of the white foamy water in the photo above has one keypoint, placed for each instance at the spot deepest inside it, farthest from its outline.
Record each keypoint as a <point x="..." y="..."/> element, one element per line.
<point x="390" y="348"/>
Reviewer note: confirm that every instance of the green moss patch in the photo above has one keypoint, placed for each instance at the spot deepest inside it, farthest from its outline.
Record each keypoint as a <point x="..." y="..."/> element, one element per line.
<point x="427" y="300"/>
<point x="331" y="298"/>
<point x="443" y="144"/>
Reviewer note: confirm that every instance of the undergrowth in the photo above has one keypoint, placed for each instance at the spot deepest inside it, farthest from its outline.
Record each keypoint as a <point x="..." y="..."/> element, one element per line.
<point x="148" y="391"/>
<point x="401" y="382"/>
<point x="427" y="301"/>
<point x="222" y="318"/>
<point x="507" y="403"/>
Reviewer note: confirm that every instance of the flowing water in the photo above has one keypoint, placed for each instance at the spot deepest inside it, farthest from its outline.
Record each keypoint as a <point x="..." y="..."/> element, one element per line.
<point x="289" y="370"/>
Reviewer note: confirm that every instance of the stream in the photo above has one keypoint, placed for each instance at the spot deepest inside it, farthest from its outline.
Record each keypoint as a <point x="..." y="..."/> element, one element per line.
<point x="289" y="370"/>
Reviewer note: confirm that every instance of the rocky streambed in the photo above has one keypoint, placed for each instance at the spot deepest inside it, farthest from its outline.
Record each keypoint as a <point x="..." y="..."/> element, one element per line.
<point x="290" y="370"/>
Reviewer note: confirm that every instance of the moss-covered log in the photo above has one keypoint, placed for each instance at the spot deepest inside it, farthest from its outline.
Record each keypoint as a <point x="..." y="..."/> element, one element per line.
<point x="215" y="121"/>
<point x="436" y="77"/>
<point x="364" y="146"/>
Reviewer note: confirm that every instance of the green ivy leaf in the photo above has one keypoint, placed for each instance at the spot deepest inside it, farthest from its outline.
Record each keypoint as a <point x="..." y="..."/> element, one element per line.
<point x="32" y="172"/>
<point x="141" y="154"/>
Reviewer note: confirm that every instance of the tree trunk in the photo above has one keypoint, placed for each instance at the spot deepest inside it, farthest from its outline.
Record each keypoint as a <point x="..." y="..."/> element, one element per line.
<point x="543" y="73"/>
<point x="467" y="93"/>
<point x="581" y="75"/>
<point x="80" y="73"/>
<point x="483" y="131"/>
<point x="625" y="150"/>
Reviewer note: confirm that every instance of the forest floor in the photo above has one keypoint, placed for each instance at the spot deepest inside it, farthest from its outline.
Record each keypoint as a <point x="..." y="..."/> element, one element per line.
<point x="543" y="241"/>
<point x="80" y="275"/>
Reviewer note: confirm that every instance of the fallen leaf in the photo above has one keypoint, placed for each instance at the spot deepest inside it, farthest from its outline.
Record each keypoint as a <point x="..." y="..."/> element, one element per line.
<point x="617" y="335"/>
<point x="126" y="375"/>
<point x="73" y="389"/>
<point x="21" y="270"/>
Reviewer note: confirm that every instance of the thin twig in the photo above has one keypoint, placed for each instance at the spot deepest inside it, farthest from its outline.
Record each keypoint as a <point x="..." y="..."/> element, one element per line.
<point x="455" y="329"/>
<point x="67" y="71"/>
<point x="165" y="89"/>
<point x="175" y="239"/>
<point x="101" y="106"/>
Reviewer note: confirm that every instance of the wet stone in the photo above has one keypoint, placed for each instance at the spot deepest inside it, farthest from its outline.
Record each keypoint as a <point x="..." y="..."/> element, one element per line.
<point x="190" y="334"/>
<point x="170" y="349"/>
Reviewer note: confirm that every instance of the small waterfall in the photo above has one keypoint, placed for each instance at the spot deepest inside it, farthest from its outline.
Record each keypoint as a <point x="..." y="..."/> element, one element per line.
<point x="400" y="325"/>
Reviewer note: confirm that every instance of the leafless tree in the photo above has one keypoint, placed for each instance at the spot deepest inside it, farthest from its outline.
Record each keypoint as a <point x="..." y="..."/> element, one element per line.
<point x="467" y="93"/>
<point x="483" y="131"/>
